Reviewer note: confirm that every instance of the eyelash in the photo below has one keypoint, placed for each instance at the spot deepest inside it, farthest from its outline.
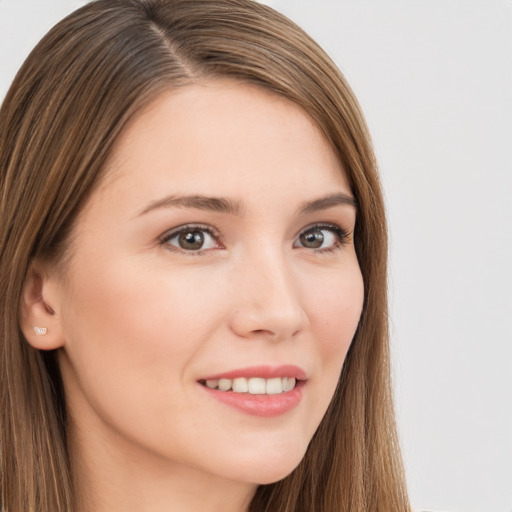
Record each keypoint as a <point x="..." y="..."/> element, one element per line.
<point x="213" y="232"/>
<point x="342" y="237"/>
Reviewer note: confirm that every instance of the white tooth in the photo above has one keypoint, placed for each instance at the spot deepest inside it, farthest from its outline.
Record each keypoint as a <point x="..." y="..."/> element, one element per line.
<point x="256" y="386"/>
<point x="240" y="385"/>
<point x="224" y="384"/>
<point x="288" y="383"/>
<point x="212" y="384"/>
<point x="274" y="386"/>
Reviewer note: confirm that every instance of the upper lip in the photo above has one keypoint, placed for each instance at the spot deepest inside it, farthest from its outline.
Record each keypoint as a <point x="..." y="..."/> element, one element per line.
<point x="262" y="371"/>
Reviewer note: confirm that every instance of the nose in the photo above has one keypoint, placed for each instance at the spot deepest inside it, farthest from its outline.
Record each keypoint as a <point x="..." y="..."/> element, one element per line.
<point x="267" y="300"/>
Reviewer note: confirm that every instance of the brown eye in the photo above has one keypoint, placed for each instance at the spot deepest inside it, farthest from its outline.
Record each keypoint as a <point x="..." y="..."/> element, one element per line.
<point x="191" y="240"/>
<point x="312" y="239"/>
<point x="322" y="238"/>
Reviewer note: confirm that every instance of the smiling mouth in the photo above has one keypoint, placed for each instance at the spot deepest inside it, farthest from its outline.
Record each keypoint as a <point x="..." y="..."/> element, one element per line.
<point x="253" y="385"/>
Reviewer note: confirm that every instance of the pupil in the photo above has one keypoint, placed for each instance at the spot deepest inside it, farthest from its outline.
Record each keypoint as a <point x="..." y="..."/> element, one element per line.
<point x="191" y="240"/>
<point x="312" y="239"/>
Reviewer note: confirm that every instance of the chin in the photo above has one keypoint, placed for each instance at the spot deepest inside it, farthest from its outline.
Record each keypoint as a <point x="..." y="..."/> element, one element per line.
<point x="268" y="466"/>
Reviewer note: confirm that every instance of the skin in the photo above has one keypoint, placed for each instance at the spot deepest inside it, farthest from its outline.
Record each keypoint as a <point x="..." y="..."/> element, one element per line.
<point x="138" y="320"/>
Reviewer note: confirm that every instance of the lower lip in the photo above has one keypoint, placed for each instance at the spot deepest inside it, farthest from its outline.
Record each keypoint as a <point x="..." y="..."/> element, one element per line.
<point x="265" y="406"/>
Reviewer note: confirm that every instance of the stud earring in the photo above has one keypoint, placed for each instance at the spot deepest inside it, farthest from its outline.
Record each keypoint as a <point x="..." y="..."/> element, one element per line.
<point x="40" y="331"/>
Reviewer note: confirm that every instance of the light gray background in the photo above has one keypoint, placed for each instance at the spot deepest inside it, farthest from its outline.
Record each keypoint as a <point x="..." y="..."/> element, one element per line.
<point x="434" y="78"/>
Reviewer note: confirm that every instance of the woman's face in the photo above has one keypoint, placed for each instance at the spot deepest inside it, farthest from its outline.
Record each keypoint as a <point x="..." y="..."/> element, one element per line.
<point x="218" y="251"/>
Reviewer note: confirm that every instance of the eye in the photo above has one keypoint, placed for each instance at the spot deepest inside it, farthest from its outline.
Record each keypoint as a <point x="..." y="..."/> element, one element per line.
<point x="322" y="237"/>
<point x="191" y="239"/>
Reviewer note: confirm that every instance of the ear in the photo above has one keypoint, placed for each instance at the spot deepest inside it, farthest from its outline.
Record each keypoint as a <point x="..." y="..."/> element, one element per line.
<point x="40" y="318"/>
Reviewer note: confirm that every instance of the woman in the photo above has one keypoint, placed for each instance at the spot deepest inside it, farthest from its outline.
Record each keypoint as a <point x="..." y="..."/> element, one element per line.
<point x="192" y="317"/>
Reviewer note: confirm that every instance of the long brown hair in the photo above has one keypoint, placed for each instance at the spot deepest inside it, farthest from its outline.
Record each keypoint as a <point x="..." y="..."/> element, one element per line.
<point x="64" y="111"/>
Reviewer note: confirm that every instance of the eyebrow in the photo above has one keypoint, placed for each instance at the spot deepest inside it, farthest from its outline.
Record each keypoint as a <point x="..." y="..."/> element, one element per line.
<point x="230" y="207"/>
<point x="215" y="204"/>
<point x="326" y="202"/>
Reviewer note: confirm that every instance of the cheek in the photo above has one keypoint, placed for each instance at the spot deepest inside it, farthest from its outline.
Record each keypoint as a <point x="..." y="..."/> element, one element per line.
<point x="133" y="338"/>
<point x="336" y="316"/>
<point x="136" y="299"/>
<point x="336" y="310"/>
<point x="134" y="328"/>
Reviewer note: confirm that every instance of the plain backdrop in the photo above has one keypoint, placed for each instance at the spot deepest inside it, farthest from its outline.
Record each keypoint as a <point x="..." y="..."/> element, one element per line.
<point x="434" y="78"/>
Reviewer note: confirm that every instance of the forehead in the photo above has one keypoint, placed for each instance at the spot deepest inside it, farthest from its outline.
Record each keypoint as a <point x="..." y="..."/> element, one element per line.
<point x="223" y="136"/>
